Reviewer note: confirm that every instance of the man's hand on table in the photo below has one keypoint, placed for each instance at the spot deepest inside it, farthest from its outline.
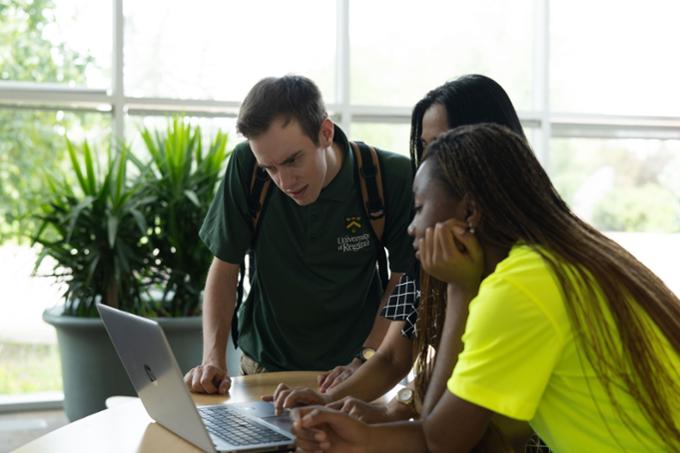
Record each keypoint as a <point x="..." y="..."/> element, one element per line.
<point x="208" y="378"/>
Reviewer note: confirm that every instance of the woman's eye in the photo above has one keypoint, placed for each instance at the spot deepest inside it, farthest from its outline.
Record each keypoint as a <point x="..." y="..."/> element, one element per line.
<point x="417" y="209"/>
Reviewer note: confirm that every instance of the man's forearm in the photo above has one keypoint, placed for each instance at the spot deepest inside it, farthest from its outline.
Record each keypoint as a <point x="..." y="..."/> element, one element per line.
<point x="380" y="324"/>
<point x="218" y="309"/>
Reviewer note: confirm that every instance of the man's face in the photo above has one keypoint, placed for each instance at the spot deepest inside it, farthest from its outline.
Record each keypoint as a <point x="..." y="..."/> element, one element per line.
<point x="296" y="165"/>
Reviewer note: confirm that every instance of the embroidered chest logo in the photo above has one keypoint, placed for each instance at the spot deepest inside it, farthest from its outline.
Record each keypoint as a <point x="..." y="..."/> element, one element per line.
<point x="353" y="242"/>
<point x="352" y="224"/>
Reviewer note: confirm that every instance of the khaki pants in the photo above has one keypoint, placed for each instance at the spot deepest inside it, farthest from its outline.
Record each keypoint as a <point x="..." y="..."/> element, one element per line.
<point x="250" y="366"/>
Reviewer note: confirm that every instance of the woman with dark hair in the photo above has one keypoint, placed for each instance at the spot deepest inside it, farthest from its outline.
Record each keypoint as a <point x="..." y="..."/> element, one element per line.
<point x="470" y="99"/>
<point x="565" y="328"/>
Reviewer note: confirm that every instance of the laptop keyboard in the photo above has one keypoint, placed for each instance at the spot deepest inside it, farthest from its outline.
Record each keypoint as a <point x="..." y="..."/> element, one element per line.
<point x="237" y="429"/>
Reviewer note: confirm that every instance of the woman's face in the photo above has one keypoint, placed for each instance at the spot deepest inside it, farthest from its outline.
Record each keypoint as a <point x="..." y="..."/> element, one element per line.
<point x="435" y="123"/>
<point x="432" y="202"/>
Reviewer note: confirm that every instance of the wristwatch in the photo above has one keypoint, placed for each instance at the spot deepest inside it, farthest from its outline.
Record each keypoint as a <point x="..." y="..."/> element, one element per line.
<point x="365" y="354"/>
<point x="407" y="396"/>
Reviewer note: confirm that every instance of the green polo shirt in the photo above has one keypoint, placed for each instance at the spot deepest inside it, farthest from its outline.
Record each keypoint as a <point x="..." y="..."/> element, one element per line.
<point x="316" y="290"/>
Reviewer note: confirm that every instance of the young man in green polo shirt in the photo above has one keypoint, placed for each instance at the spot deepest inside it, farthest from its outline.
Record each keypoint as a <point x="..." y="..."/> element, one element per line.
<point x="314" y="300"/>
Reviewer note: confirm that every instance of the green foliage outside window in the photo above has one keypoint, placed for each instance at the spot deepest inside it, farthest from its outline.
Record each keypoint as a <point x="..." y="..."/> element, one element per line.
<point x="649" y="208"/>
<point x="33" y="140"/>
<point x="625" y="184"/>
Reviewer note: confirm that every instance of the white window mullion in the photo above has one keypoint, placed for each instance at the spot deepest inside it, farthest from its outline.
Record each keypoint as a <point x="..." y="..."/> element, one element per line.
<point x="342" y="69"/>
<point x="117" y="85"/>
<point x="541" y="92"/>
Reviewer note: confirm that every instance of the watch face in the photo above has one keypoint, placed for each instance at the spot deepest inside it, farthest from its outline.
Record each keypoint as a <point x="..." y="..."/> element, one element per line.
<point x="367" y="353"/>
<point x="405" y="395"/>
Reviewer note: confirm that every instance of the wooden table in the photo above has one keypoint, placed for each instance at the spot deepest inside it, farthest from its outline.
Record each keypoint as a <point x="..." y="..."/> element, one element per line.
<point x="128" y="428"/>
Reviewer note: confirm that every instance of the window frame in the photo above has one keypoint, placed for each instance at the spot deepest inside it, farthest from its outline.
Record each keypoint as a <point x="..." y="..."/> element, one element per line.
<point x="544" y="123"/>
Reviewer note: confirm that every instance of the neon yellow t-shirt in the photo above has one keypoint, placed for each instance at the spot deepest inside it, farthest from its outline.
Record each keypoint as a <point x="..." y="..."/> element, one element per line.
<point x="521" y="360"/>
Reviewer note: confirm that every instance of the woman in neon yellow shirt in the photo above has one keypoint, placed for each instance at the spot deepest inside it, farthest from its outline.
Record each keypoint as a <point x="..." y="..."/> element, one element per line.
<point x="565" y="328"/>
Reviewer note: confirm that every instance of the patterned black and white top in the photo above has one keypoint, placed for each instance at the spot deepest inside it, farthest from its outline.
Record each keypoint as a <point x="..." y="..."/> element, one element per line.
<point x="403" y="305"/>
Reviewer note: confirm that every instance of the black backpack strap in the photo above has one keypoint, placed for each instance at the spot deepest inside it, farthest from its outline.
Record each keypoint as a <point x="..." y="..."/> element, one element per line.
<point x="372" y="195"/>
<point x="259" y="189"/>
<point x="260" y="183"/>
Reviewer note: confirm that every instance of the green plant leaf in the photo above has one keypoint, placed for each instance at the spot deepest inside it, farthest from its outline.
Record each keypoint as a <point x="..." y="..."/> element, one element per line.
<point x="76" y="165"/>
<point x="191" y="195"/>
<point x="89" y="168"/>
<point x="139" y="219"/>
<point x="75" y="214"/>
<point x="120" y="173"/>
<point x="112" y="229"/>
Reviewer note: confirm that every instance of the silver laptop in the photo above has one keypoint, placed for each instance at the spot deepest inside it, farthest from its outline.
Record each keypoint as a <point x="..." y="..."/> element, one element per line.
<point x="155" y="375"/>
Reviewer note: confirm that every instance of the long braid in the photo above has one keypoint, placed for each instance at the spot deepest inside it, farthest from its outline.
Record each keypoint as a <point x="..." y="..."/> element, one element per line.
<point x="429" y="324"/>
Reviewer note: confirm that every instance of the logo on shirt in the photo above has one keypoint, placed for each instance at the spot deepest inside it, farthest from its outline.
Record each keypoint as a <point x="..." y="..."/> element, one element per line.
<point x="353" y="242"/>
<point x="352" y="224"/>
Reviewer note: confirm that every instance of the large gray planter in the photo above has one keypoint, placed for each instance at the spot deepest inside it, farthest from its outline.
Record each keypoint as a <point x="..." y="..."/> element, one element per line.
<point x="90" y="367"/>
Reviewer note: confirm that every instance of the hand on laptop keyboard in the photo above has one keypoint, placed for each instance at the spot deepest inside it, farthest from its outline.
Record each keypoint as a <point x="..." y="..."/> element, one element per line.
<point x="285" y="397"/>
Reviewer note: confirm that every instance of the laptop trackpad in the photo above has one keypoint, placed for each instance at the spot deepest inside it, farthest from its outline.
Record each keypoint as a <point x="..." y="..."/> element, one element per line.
<point x="281" y="421"/>
<point x="265" y="411"/>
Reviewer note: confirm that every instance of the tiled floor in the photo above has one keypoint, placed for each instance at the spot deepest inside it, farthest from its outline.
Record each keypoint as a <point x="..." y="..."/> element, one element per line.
<point x="17" y="429"/>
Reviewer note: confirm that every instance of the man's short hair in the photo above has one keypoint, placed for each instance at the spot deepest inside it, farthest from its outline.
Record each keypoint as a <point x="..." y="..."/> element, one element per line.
<point x="290" y="97"/>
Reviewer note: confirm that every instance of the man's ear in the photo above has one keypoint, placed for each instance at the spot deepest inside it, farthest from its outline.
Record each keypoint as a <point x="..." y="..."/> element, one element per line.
<point x="473" y="215"/>
<point x="326" y="133"/>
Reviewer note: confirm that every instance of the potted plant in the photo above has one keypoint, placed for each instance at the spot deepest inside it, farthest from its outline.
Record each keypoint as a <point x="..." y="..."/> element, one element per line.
<point x="181" y="178"/>
<point x="108" y="228"/>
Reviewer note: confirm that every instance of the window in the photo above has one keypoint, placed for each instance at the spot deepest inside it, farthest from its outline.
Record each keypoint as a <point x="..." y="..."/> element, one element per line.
<point x="594" y="84"/>
<point x="32" y="143"/>
<point x="390" y="137"/>
<point x="612" y="57"/>
<point x="615" y="151"/>
<point x="216" y="50"/>
<point x="627" y="185"/>
<point x="61" y="42"/>
<point x="398" y="53"/>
